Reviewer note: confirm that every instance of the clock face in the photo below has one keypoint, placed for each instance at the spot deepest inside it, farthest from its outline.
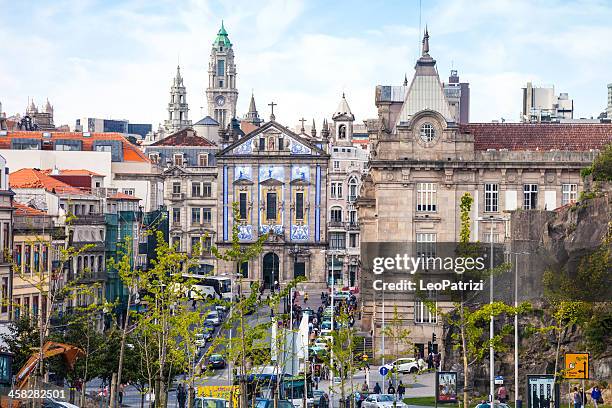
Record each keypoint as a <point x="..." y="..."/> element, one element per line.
<point x="220" y="100"/>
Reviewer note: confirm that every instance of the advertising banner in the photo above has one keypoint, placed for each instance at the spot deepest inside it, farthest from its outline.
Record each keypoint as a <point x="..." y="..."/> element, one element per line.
<point x="446" y="387"/>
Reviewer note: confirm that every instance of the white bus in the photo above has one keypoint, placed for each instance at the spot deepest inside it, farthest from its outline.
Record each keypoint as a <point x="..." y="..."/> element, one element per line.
<point x="209" y="287"/>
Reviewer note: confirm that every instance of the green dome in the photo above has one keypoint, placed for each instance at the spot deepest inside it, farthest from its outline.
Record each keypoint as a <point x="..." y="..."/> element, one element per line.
<point x="222" y="38"/>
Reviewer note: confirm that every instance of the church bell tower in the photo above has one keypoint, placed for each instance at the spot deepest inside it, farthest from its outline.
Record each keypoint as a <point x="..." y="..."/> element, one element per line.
<point x="221" y="93"/>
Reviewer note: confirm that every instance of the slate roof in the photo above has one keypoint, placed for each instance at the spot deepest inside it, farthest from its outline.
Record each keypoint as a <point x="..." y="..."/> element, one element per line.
<point x="539" y="136"/>
<point x="184" y="137"/>
<point x="207" y="121"/>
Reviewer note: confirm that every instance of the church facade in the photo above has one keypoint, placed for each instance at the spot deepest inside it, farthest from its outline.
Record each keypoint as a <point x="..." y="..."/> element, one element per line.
<point x="423" y="161"/>
<point x="278" y="180"/>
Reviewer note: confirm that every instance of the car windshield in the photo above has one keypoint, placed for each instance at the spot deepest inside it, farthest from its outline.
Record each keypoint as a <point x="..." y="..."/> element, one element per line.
<point x="215" y="357"/>
<point x="209" y="403"/>
<point x="384" y="398"/>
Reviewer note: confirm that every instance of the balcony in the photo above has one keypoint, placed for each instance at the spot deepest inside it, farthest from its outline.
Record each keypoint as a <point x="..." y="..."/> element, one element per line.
<point x="352" y="226"/>
<point x="177" y="196"/>
<point x="337" y="224"/>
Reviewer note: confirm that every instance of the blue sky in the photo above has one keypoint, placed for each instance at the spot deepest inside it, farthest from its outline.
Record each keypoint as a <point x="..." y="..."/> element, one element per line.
<point x="117" y="58"/>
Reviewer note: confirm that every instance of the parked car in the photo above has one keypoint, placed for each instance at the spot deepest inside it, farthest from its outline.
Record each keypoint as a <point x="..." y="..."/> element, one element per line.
<point x="214" y="317"/>
<point x="53" y="403"/>
<point x="269" y="403"/>
<point x="216" y="361"/>
<point x="200" y="339"/>
<point x="382" y="401"/>
<point x="209" y="402"/>
<point x="407" y="365"/>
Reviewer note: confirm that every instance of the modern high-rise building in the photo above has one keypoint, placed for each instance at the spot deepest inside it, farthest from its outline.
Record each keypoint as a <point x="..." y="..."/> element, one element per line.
<point x="609" y="108"/>
<point x="458" y="96"/>
<point x="540" y="104"/>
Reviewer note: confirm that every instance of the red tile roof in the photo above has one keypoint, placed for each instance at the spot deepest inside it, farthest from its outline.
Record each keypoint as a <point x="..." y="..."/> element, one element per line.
<point x="130" y="151"/>
<point x="22" y="209"/>
<point x="184" y="137"/>
<point x="122" y="196"/>
<point x="539" y="136"/>
<point x="75" y="172"/>
<point x="35" y="178"/>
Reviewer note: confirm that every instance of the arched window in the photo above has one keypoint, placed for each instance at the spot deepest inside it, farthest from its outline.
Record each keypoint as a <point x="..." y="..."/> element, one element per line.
<point x="342" y="132"/>
<point x="352" y="186"/>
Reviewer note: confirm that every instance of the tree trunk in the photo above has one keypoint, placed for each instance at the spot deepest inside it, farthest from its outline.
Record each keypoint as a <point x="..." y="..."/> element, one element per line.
<point x="122" y="347"/>
<point x="465" y="359"/>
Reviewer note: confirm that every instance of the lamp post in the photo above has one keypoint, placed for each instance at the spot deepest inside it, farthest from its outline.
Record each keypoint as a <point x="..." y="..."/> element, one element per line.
<point x="491" y="219"/>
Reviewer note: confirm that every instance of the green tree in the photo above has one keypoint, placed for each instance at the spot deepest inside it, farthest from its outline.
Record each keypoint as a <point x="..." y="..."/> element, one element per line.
<point x="400" y="339"/>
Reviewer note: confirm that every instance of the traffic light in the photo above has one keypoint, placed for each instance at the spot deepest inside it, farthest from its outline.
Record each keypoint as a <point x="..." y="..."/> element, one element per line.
<point x="433" y="337"/>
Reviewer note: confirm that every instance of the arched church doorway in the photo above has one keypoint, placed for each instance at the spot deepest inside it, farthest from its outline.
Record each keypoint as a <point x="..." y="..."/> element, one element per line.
<point x="270" y="269"/>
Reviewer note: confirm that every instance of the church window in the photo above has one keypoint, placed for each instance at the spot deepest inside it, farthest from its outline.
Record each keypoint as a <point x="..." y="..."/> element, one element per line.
<point x="428" y="132"/>
<point x="243" y="206"/>
<point x="271" y="206"/>
<point x="280" y="143"/>
<point x="220" y="83"/>
<point x="426" y="197"/>
<point x="299" y="206"/>
<point x="262" y="144"/>
<point x="220" y="67"/>
<point x="342" y="132"/>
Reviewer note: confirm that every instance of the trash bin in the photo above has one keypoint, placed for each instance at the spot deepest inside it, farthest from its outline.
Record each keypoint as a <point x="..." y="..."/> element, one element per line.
<point x="519" y="404"/>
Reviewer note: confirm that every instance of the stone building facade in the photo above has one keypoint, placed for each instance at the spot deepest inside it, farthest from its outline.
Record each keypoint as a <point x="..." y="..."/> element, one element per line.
<point x="423" y="161"/>
<point x="278" y="180"/>
<point x="221" y="93"/>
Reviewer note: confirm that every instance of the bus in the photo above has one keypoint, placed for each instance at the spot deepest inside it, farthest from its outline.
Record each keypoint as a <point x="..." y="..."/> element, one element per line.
<point x="209" y="287"/>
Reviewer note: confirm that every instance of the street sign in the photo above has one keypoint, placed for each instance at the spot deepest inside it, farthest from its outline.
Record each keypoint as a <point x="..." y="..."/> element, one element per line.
<point x="499" y="380"/>
<point x="384" y="371"/>
<point x="577" y="365"/>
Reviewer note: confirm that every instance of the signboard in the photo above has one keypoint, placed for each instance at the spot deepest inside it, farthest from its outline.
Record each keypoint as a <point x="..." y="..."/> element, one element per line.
<point x="446" y="387"/>
<point x="499" y="380"/>
<point x="541" y="391"/>
<point x="577" y="365"/>
<point x="384" y="371"/>
<point x="227" y="392"/>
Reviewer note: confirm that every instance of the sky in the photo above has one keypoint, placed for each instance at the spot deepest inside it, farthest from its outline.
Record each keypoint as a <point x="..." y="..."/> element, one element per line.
<point x="116" y="59"/>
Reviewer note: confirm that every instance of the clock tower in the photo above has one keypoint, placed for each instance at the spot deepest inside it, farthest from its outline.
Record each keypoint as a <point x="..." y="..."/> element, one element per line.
<point x="221" y="93"/>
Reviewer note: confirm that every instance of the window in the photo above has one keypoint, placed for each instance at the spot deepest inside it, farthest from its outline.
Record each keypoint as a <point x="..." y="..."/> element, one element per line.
<point x="353" y="240"/>
<point x="177" y="159"/>
<point x="206" y="215"/>
<point x="220" y="67"/>
<point x="530" y="201"/>
<point x="207" y="244"/>
<point x="195" y="244"/>
<point x="336" y="190"/>
<point x="337" y="240"/>
<point x="491" y="197"/>
<point x="4" y="295"/>
<point x="352" y="189"/>
<point x="128" y="191"/>
<point x="352" y="217"/>
<point x="426" y="244"/>
<point x="176" y="187"/>
<point x="280" y="143"/>
<point x="203" y="159"/>
<point x="102" y="148"/>
<point x="490" y="237"/>
<point x="196" y="215"/>
<point x="206" y="190"/>
<point x="569" y="193"/>
<point x="196" y="189"/>
<point x="423" y="313"/>
<point x="176" y="215"/>
<point x="299" y="269"/>
<point x="271" y="206"/>
<point x="243" y="206"/>
<point x="262" y="144"/>
<point x="426" y="197"/>
<point x="336" y="165"/>
<point x="176" y="243"/>
<point x="428" y="132"/>
<point x="154" y="157"/>
<point x="299" y="206"/>
<point x="243" y="269"/>
<point x="336" y="214"/>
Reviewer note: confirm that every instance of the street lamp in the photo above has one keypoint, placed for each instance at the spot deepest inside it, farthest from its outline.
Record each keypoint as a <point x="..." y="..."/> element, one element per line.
<point x="492" y="220"/>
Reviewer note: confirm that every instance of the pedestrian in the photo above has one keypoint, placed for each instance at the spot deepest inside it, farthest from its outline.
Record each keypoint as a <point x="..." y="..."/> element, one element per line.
<point x="181" y="395"/>
<point x="582" y="398"/>
<point x="364" y="387"/>
<point x="502" y="394"/>
<point x="121" y="390"/>
<point x="305" y="297"/>
<point x="364" y="358"/>
<point x="576" y="398"/>
<point x="430" y="358"/>
<point x="194" y="304"/>
<point x="596" y="396"/>
<point x="378" y="390"/>
<point x="391" y="389"/>
<point x="322" y="296"/>
<point x="401" y="390"/>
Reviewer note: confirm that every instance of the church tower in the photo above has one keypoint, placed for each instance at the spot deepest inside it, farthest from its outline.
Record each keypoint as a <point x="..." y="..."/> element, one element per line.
<point x="252" y="115"/>
<point x="343" y="123"/>
<point x="177" y="107"/>
<point x="221" y="93"/>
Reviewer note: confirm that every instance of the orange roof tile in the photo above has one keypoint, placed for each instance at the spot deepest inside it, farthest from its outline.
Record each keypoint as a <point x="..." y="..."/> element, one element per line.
<point x="130" y="151"/>
<point x="75" y="172"/>
<point x="35" y="178"/>
<point x="22" y="209"/>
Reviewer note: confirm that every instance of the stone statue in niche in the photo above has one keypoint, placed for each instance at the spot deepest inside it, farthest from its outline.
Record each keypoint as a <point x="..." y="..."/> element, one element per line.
<point x="271" y="143"/>
<point x="342" y="132"/>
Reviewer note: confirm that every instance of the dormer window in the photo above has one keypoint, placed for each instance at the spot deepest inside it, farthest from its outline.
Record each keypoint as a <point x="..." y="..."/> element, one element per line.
<point x="428" y="132"/>
<point x="178" y="159"/>
<point x="203" y="159"/>
<point x="154" y="157"/>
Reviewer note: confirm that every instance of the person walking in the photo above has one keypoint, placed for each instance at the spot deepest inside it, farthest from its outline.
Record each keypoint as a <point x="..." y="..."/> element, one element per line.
<point x="401" y="390"/>
<point x="437" y="360"/>
<point x="596" y="396"/>
<point x="377" y="389"/>
<point x="364" y="387"/>
<point x="502" y="394"/>
<point x="305" y="297"/>
<point x="430" y="358"/>
<point x="576" y="398"/>
<point x="391" y="389"/>
<point x="181" y="395"/>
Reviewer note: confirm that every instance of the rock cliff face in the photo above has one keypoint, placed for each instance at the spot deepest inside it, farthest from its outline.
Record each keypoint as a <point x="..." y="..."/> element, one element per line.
<point x="545" y="240"/>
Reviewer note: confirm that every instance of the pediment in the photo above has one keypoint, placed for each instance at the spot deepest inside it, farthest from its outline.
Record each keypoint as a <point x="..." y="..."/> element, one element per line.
<point x="176" y="171"/>
<point x="243" y="182"/>
<point x="271" y="182"/>
<point x="299" y="182"/>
